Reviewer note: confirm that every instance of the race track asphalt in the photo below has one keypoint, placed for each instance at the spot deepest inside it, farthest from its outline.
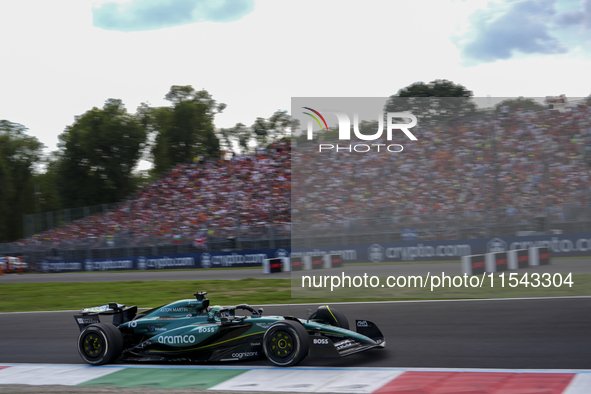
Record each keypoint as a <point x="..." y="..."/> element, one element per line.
<point x="449" y="268"/>
<point x="505" y="334"/>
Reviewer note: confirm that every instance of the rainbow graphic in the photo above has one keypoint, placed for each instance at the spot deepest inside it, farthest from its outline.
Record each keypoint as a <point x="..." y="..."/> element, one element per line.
<point x="315" y="118"/>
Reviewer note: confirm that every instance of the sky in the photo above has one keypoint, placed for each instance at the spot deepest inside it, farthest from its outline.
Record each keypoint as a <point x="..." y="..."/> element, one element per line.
<point x="60" y="58"/>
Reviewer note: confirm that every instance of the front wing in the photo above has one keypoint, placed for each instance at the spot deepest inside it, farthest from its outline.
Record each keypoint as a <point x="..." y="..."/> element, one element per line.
<point x="372" y="337"/>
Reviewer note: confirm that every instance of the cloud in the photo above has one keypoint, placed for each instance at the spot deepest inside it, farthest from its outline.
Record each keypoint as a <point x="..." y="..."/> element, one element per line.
<point x="141" y="15"/>
<point x="576" y="18"/>
<point x="502" y="30"/>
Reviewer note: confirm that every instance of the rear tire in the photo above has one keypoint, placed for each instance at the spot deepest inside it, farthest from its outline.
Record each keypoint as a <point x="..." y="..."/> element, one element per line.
<point x="100" y="343"/>
<point x="286" y="343"/>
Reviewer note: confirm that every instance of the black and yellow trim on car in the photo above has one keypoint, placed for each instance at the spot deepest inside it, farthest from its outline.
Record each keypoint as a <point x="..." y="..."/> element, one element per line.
<point x="333" y="316"/>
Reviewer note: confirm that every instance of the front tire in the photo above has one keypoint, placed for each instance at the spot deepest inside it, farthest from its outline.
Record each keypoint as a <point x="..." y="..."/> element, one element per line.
<point x="100" y="343"/>
<point x="286" y="343"/>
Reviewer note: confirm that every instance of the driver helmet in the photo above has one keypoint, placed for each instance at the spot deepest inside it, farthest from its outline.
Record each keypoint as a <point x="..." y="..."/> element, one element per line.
<point x="211" y="314"/>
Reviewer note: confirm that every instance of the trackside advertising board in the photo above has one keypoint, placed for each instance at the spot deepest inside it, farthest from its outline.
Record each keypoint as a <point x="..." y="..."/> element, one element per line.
<point x="563" y="245"/>
<point x="249" y="258"/>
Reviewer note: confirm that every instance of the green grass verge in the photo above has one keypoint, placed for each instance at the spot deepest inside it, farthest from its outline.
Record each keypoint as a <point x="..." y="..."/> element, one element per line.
<point x="16" y="297"/>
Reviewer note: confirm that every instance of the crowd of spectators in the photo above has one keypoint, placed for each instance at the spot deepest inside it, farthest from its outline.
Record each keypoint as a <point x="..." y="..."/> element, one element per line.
<point x="247" y="196"/>
<point x="502" y="168"/>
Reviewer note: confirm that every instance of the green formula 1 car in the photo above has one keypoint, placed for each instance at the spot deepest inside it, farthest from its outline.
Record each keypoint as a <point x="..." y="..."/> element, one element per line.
<point x="191" y="330"/>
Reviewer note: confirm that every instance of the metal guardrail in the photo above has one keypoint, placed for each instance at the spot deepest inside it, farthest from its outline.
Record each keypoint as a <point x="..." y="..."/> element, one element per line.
<point x="39" y="222"/>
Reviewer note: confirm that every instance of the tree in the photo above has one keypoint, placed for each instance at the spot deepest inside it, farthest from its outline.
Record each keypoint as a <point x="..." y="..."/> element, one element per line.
<point x="281" y="124"/>
<point x="240" y="136"/>
<point x="436" y="101"/>
<point x="47" y="197"/>
<point x="184" y="130"/>
<point x="19" y="153"/>
<point x="5" y="195"/>
<point x="513" y="105"/>
<point x="261" y="129"/>
<point x="244" y="135"/>
<point x="98" y="154"/>
<point x="226" y="140"/>
<point x="158" y="122"/>
<point x="277" y="127"/>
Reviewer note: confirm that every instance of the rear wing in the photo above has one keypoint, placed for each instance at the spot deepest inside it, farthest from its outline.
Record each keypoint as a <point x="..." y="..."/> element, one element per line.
<point x="120" y="313"/>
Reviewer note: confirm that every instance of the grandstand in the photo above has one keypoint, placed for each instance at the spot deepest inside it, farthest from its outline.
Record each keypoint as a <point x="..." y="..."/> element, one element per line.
<point x="487" y="176"/>
<point x="494" y="175"/>
<point x="244" y="200"/>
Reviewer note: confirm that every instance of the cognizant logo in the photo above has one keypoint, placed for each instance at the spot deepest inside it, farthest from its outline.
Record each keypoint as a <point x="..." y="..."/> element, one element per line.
<point x="345" y="131"/>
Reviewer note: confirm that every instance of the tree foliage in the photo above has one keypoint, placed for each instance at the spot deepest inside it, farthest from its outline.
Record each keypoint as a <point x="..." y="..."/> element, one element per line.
<point x="243" y="135"/>
<point x="98" y="154"/>
<point x="436" y="101"/>
<point x="512" y="105"/>
<point x="19" y="153"/>
<point x="48" y="198"/>
<point x="240" y="136"/>
<point x="276" y="127"/>
<point x="185" y="129"/>
<point x="5" y="195"/>
<point x="262" y="132"/>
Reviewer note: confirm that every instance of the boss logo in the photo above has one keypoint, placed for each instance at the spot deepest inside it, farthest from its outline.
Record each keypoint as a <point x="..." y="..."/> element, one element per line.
<point x="320" y="341"/>
<point x="362" y="323"/>
<point x="206" y="329"/>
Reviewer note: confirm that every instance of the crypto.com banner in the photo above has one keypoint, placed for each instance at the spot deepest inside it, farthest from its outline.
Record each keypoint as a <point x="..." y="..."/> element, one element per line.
<point x="246" y="258"/>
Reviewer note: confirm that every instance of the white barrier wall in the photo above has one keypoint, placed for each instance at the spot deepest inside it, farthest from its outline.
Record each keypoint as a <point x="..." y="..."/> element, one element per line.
<point x="502" y="261"/>
<point x="534" y="256"/>
<point x="496" y="262"/>
<point x="307" y="262"/>
<point x="539" y="256"/>
<point x="517" y="258"/>
<point x="327" y="261"/>
<point x="286" y="264"/>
